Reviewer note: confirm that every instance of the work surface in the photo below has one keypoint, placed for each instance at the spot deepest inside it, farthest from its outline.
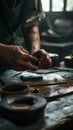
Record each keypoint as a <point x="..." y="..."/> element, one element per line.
<point x="57" y="88"/>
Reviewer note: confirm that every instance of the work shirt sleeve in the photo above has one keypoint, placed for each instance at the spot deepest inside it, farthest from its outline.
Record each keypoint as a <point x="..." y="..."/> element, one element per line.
<point x="33" y="13"/>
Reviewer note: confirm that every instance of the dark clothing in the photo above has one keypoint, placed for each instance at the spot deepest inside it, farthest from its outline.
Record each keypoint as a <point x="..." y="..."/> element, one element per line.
<point x="15" y="13"/>
<point x="12" y="3"/>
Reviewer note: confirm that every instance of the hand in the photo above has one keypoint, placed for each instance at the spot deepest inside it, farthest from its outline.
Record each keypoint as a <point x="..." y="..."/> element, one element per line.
<point x="44" y="61"/>
<point x="16" y="57"/>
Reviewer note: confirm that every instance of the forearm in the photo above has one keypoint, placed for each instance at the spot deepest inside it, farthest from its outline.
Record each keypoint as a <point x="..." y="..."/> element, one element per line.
<point x="32" y="38"/>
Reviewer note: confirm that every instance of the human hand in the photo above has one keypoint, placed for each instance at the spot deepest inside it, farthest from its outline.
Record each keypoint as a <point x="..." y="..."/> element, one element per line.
<point x="16" y="57"/>
<point x="44" y="61"/>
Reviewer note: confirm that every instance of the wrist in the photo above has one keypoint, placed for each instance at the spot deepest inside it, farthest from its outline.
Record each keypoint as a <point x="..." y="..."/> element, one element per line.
<point x="34" y="49"/>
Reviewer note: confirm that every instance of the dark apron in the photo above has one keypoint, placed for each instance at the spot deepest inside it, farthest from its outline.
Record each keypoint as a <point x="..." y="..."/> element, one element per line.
<point x="11" y="18"/>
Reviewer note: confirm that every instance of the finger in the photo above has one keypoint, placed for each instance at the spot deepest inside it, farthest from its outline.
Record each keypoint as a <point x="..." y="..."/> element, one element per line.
<point x="29" y="66"/>
<point x="24" y="66"/>
<point x="24" y="50"/>
<point x="49" y="59"/>
<point x="31" y="58"/>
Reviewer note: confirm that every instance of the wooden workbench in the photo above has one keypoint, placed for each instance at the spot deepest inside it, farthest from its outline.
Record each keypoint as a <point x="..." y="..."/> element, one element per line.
<point x="58" y="114"/>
